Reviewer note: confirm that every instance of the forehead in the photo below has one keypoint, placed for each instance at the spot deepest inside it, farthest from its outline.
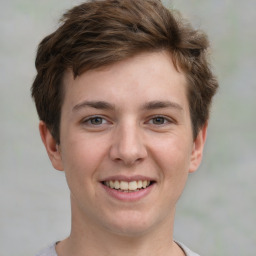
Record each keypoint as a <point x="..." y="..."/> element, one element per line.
<point x="146" y="76"/>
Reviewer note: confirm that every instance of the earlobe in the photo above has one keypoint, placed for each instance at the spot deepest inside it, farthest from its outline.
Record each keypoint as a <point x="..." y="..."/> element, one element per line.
<point x="197" y="151"/>
<point x="51" y="146"/>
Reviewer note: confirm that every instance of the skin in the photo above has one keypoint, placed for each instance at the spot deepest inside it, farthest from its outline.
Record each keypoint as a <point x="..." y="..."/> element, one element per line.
<point x="143" y="128"/>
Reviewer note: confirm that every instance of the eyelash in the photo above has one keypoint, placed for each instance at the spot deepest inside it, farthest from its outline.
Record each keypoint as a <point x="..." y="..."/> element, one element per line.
<point x="89" y="120"/>
<point x="165" y="120"/>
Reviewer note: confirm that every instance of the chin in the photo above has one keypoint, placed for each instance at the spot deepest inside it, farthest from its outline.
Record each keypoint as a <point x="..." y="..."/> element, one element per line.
<point x="131" y="224"/>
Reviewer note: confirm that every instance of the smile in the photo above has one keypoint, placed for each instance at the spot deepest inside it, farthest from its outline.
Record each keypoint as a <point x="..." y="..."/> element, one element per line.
<point x="125" y="186"/>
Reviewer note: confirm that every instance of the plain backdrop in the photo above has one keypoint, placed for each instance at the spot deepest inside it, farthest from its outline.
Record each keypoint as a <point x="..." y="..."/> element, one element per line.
<point x="216" y="214"/>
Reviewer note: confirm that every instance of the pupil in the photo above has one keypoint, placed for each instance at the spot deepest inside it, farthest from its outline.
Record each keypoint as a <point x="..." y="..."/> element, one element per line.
<point x="158" y="120"/>
<point x="96" y="120"/>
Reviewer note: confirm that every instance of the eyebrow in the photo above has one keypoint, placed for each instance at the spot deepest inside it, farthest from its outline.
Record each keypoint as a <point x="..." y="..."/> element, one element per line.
<point x="147" y="106"/>
<point x="161" y="104"/>
<point x="94" y="104"/>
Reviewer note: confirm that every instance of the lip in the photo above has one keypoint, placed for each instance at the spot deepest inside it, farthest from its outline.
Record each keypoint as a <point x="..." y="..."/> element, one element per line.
<point x="128" y="196"/>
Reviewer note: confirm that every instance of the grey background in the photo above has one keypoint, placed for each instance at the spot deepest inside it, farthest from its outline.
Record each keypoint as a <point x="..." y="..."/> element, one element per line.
<point x="216" y="214"/>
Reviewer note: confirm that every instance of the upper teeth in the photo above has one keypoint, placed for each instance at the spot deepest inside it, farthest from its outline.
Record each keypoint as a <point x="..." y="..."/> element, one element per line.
<point x="124" y="185"/>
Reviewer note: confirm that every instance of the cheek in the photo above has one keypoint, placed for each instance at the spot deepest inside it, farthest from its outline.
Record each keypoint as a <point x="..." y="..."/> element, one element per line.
<point x="173" y="157"/>
<point x="172" y="149"/>
<point x="81" y="159"/>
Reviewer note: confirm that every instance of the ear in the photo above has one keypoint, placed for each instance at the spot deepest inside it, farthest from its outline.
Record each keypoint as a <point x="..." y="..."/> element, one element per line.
<point x="52" y="148"/>
<point x="198" y="146"/>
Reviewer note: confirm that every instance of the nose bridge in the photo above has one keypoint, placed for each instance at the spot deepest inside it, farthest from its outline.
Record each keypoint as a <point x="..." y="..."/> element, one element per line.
<point x="128" y="146"/>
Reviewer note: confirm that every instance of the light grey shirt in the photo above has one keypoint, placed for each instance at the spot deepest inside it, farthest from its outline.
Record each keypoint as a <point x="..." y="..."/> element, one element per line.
<point x="50" y="250"/>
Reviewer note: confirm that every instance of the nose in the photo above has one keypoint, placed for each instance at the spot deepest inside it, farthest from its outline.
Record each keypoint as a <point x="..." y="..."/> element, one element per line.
<point x="128" y="146"/>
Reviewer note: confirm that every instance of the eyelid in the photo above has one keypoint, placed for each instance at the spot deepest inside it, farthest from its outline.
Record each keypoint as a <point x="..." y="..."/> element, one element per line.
<point x="89" y="118"/>
<point x="166" y="118"/>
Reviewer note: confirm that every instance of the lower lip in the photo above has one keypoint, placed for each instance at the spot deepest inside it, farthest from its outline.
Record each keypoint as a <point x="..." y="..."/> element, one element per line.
<point x="128" y="196"/>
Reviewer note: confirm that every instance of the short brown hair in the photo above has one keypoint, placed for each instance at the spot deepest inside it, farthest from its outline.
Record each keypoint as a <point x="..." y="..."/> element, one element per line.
<point x="99" y="33"/>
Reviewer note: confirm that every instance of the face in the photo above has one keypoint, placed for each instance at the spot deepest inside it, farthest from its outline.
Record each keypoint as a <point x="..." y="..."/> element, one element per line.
<point x="126" y="143"/>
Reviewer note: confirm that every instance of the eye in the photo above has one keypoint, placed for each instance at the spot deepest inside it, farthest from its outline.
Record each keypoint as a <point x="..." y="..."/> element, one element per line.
<point x="95" y="121"/>
<point x="159" y="120"/>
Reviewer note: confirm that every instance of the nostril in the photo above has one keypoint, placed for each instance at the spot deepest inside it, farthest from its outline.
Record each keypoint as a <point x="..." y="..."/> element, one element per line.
<point x="128" y="149"/>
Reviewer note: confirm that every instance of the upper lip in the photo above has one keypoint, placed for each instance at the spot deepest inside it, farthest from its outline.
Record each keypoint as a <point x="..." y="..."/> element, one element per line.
<point x="127" y="178"/>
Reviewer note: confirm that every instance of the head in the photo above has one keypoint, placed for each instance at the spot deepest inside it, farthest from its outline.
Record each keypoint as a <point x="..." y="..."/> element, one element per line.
<point x="100" y="33"/>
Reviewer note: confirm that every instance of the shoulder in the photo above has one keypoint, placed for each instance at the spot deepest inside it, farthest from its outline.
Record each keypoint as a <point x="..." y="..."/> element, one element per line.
<point x="187" y="251"/>
<point x="49" y="251"/>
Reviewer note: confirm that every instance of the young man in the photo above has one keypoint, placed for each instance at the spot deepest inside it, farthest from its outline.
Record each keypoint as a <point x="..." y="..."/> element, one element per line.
<point x="123" y="92"/>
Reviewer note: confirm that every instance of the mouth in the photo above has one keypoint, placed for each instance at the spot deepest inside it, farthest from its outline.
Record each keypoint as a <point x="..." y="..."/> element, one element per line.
<point x="128" y="186"/>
